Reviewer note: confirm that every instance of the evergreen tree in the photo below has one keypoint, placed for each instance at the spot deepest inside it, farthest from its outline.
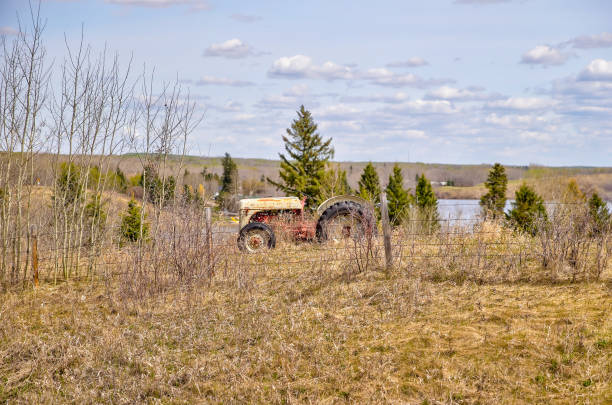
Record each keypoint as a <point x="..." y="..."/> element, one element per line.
<point x="303" y="169"/>
<point x="494" y="201"/>
<point x="159" y="191"/>
<point x="229" y="179"/>
<point x="228" y="182"/>
<point x="398" y="198"/>
<point x="427" y="204"/>
<point x="527" y="209"/>
<point x="131" y="225"/>
<point x="599" y="214"/>
<point x="369" y="184"/>
<point x="69" y="186"/>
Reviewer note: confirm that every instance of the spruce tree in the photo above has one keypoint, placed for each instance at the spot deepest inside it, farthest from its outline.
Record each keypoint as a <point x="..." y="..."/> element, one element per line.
<point x="527" y="209"/>
<point x="369" y="184"/>
<point x="427" y="204"/>
<point x="132" y="228"/>
<point x="303" y="168"/>
<point x="228" y="182"/>
<point x="494" y="201"/>
<point x="398" y="197"/>
<point x="599" y="215"/>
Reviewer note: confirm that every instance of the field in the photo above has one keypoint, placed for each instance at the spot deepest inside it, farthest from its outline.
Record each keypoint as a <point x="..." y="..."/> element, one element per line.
<point x="462" y="316"/>
<point x="300" y="333"/>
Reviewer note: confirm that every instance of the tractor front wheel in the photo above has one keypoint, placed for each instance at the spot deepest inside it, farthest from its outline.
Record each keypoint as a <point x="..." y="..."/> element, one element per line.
<point x="256" y="237"/>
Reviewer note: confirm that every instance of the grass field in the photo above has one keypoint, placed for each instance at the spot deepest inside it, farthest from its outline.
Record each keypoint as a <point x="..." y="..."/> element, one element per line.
<point x="309" y="334"/>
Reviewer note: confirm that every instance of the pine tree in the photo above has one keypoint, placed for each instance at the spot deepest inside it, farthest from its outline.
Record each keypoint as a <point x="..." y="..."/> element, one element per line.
<point x="369" y="184"/>
<point x="599" y="214"/>
<point x="398" y="197"/>
<point x="228" y="182"/>
<point x="229" y="179"/>
<point x="132" y="229"/>
<point x="527" y="209"/>
<point x="494" y="201"/>
<point x="427" y="204"/>
<point x="303" y="169"/>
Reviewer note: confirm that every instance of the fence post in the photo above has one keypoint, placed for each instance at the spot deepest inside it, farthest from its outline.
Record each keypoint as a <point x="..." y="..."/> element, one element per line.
<point x="386" y="230"/>
<point x="208" y="217"/>
<point x="34" y="255"/>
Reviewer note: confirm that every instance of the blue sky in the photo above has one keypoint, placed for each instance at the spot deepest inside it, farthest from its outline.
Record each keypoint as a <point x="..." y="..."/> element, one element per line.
<point x="453" y="81"/>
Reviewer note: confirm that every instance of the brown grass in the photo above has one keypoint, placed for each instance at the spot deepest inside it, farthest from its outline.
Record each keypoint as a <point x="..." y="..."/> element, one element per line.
<point x="293" y="333"/>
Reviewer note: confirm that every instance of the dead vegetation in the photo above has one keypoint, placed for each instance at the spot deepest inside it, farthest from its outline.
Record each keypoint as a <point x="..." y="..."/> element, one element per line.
<point x="309" y="328"/>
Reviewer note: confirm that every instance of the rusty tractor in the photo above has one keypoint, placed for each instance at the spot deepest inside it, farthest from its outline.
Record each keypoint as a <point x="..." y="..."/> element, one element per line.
<point x="337" y="218"/>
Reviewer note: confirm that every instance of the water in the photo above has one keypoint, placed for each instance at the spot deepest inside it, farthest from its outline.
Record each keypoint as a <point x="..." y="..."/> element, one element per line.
<point x="467" y="211"/>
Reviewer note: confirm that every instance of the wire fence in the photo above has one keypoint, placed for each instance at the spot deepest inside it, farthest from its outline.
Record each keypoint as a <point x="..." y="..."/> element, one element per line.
<point x="472" y="248"/>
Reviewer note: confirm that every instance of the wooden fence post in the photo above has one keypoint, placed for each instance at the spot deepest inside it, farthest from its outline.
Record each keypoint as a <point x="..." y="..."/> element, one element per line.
<point x="34" y="255"/>
<point x="386" y="230"/>
<point x="208" y="217"/>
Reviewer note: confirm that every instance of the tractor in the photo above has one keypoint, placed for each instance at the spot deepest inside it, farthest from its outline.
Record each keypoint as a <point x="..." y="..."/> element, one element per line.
<point x="339" y="217"/>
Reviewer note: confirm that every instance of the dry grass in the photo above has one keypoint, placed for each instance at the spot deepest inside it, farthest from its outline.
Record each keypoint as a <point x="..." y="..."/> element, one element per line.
<point x="294" y="333"/>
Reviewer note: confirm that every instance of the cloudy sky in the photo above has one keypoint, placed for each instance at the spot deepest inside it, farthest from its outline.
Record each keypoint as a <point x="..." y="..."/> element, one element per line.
<point x="454" y="81"/>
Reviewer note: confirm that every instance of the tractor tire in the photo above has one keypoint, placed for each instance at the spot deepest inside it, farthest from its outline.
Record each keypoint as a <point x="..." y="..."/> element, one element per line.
<point x="354" y="216"/>
<point x="256" y="237"/>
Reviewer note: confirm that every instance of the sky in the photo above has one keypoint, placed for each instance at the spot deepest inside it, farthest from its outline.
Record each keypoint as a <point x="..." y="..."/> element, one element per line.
<point x="447" y="81"/>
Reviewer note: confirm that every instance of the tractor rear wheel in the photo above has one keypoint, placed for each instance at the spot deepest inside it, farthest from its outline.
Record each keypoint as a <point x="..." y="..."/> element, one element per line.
<point x="345" y="219"/>
<point x="256" y="237"/>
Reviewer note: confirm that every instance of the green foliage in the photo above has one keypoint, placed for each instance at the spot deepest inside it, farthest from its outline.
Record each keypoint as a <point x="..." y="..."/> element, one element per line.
<point x="95" y="211"/>
<point x="302" y="171"/>
<point x="599" y="214"/>
<point x="69" y="187"/>
<point x="427" y="205"/>
<point x="369" y="184"/>
<point x="188" y="194"/>
<point x="527" y="209"/>
<point x="135" y="180"/>
<point x="159" y="191"/>
<point x="133" y="228"/>
<point x="494" y="201"/>
<point x="334" y="183"/>
<point x="399" y="199"/>
<point x="228" y="183"/>
<point x="229" y="179"/>
<point x="120" y="182"/>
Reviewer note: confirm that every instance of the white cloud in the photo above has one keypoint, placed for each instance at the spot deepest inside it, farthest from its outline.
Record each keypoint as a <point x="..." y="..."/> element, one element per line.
<point x="410" y="62"/>
<point x="245" y="18"/>
<point x="603" y="40"/>
<point x="195" y="4"/>
<point x="522" y="103"/>
<point x="278" y="102"/>
<point x="597" y="70"/>
<point x="301" y="66"/>
<point x="222" y="81"/>
<point x="231" y="49"/>
<point x="455" y="94"/>
<point x="544" y="55"/>
<point x="297" y="91"/>
<point x="396" y="98"/>
<point x="6" y="30"/>
<point x="426" y="107"/>
<point x="535" y="136"/>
